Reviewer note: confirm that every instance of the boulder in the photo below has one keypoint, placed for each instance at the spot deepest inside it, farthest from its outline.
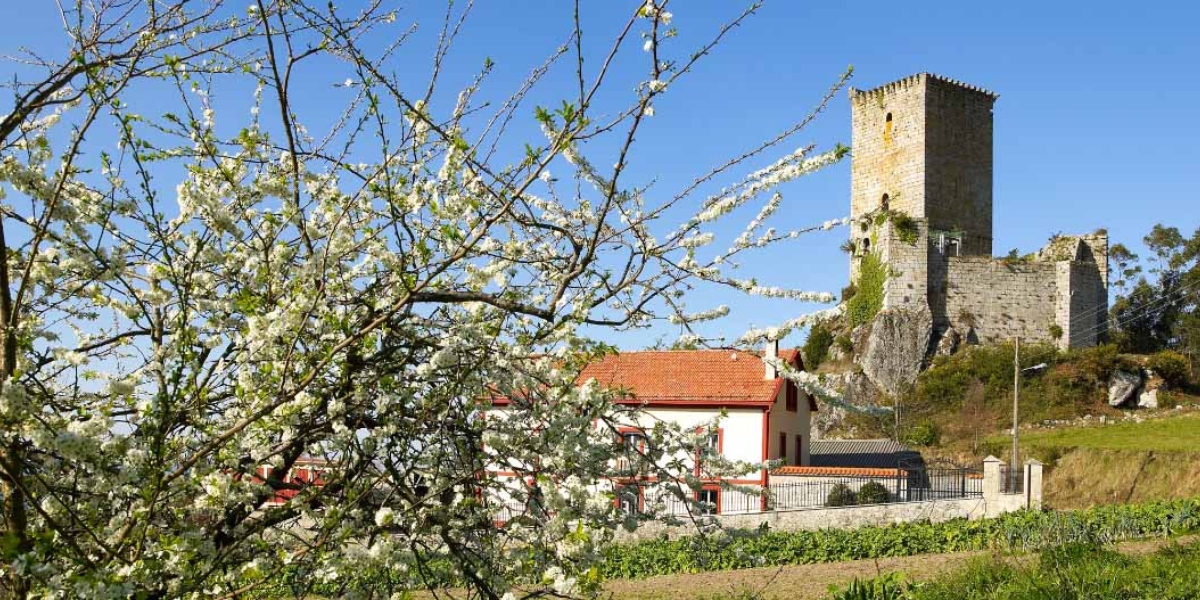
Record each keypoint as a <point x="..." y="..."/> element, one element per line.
<point x="949" y="342"/>
<point x="1123" y="386"/>
<point x="891" y="348"/>
<point x="1148" y="399"/>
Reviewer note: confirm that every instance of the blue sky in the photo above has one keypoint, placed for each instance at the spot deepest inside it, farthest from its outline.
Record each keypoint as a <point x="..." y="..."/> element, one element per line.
<point x="1097" y="125"/>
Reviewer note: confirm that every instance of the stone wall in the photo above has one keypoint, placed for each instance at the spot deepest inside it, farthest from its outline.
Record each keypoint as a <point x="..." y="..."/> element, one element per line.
<point x="992" y="503"/>
<point x="958" y="162"/>
<point x="1082" y="309"/>
<point x="847" y="517"/>
<point x="888" y="159"/>
<point x="994" y="298"/>
<point x="907" y="284"/>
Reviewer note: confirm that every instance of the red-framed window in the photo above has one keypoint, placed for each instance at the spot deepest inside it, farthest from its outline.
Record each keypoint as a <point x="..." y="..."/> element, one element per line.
<point x="793" y="404"/>
<point x="711" y="495"/>
<point x="630" y="498"/>
<point x="799" y="449"/>
<point x="714" y="441"/>
<point x="783" y="446"/>
<point x="632" y="440"/>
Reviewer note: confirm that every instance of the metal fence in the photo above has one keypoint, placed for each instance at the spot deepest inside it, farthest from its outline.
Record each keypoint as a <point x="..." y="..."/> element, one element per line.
<point x="907" y="483"/>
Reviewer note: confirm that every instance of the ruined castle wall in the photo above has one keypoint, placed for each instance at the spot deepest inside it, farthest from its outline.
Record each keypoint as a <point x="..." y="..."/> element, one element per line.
<point x="1081" y="308"/>
<point x="995" y="299"/>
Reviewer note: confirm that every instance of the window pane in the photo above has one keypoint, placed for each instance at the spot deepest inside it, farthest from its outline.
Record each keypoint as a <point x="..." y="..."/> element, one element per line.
<point x="628" y="499"/>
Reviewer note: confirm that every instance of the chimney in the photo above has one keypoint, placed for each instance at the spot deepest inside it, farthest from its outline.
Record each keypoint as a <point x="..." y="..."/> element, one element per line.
<point x="770" y="353"/>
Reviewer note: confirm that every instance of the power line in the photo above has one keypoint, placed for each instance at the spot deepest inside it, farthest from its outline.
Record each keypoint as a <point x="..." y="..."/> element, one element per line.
<point x="1166" y="300"/>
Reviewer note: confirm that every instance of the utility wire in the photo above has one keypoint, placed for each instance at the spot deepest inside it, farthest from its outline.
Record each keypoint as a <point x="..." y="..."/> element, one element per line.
<point x="1172" y="296"/>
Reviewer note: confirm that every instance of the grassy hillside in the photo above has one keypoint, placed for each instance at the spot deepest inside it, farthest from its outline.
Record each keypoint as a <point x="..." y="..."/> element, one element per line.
<point x="962" y="400"/>
<point x="1168" y="434"/>
<point x="961" y="409"/>
<point x="1110" y="464"/>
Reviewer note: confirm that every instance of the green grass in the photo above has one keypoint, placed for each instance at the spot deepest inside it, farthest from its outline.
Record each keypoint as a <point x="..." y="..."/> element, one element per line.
<point x="1171" y="434"/>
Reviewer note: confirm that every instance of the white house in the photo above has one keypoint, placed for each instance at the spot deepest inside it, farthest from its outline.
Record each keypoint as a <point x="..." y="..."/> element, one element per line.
<point x="766" y="416"/>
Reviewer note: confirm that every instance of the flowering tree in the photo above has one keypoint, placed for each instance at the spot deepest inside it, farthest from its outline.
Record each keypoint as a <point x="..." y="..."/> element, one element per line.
<point x="187" y="298"/>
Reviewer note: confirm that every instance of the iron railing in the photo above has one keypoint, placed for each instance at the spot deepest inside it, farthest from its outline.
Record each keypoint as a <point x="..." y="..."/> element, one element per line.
<point x="907" y="483"/>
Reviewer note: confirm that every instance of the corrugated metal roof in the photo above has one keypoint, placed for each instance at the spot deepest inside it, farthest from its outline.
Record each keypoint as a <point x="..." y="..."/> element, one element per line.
<point x="863" y="454"/>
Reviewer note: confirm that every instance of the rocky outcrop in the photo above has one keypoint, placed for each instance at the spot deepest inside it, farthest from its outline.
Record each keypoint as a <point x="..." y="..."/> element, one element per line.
<point x="1148" y="396"/>
<point x="1148" y="399"/>
<point x="1123" y="386"/>
<point x="859" y="391"/>
<point x="891" y="348"/>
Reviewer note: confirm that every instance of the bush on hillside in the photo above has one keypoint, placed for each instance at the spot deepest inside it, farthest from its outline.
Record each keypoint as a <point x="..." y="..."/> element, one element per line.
<point x="1172" y="366"/>
<point x="925" y="433"/>
<point x="844" y="344"/>
<point x="873" y="493"/>
<point x="841" y="495"/>
<point x="1096" y="364"/>
<point x="816" y="347"/>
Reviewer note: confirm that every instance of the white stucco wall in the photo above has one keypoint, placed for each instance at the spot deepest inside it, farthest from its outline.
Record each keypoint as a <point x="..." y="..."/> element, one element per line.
<point x="741" y="428"/>
<point x="791" y="423"/>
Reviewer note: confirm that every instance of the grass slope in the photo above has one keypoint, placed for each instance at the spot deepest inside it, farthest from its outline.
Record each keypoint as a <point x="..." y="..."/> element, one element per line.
<point x="1172" y="434"/>
<point x="1113" y="464"/>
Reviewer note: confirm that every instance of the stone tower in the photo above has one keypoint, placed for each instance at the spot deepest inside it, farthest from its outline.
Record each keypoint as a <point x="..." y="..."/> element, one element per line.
<point x="921" y="204"/>
<point x="923" y="146"/>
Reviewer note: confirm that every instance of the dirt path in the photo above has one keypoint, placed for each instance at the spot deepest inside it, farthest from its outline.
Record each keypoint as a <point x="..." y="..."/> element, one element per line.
<point x="803" y="582"/>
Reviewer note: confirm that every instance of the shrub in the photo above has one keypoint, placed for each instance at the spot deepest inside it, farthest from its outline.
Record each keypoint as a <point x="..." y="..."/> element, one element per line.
<point x="925" y="433"/>
<point x="1172" y="366"/>
<point x="866" y="302"/>
<point x="841" y="495"/>
<point x="816" y="347"/>
<point x="1097" y="363"/>
<point x="844" y="344"/>
<point x="905" y="227"/>
<point x="890" y="586"/>
<point x="1056" y="332"/>
<point x="873" y="493"/>
<point x="848" y="292"/>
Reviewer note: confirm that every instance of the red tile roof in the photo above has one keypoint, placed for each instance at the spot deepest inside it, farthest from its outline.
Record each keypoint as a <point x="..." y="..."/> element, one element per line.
<point x="716" y="376"/>
<point x="836" y="472"/>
